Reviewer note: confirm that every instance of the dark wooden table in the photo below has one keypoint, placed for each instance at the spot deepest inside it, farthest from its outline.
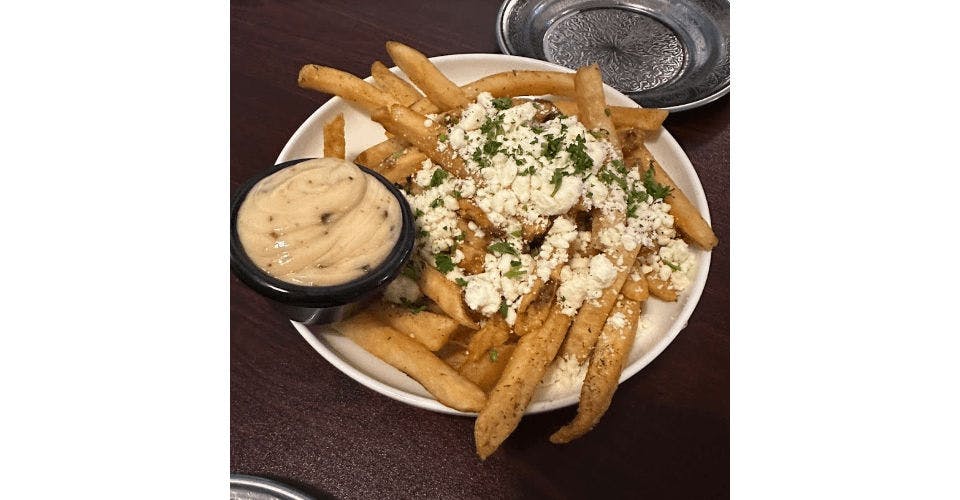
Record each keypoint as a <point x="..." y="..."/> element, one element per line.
<point x="297" y="419"/>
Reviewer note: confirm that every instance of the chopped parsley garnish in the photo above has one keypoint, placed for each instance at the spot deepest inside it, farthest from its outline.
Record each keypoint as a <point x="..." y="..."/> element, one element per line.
<point x="457" y="194"/>
<point x="606" y="111"/>
<point x="502" y="247"/>
<point x="578" y="154"/>
<point x="494" y="354"/>
<point x="557" y="180"/>
<point x="670" y="264"/>
<point x="552" y="147"/>
<point x="504" y="308"/>
<point x="515" y="270"/>
<point x="492" y="127"/>
<point x="444" y="263"/>
<point x="481" y="160"/>
<point x="527" y="171"/>
<point x="491" y="147"/>
<point x="536" y="129"/>
<point x="654" y="188"/>
<point x="437" y="202"/>
<point x="517" y="234"/>
<point x="439" y="175"/>
<point x="417" y="214"/>
<point x="423" y="233"/>
<point x="461" y="281"/>
<point x="599" y="134"/>
<point x="412" y="306"/>
<point x="410" y="270"/>
<point x="502" y="103"/>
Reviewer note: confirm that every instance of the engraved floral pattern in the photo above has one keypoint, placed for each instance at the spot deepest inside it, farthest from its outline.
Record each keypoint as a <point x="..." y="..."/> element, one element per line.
<point x="635" y="52"/>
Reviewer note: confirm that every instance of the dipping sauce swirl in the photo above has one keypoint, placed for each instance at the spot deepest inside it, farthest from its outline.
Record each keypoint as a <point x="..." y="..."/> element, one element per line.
<point x="320" y="222"/>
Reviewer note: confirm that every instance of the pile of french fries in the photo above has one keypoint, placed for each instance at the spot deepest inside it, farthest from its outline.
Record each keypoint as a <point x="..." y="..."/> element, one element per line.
<point x="482" y="364"/>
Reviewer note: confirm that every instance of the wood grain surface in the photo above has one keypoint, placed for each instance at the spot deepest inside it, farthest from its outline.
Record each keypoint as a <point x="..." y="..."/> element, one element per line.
<point x="297" y="419"/>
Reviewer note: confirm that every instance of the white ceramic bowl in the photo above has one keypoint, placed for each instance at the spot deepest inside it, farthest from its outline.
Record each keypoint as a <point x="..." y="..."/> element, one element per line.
<point x="660" y="321"/>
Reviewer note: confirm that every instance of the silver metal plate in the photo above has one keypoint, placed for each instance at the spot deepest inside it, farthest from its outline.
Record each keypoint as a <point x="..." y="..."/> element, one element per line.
<point x="662" y="53"/>
<point x="244" y="487"/>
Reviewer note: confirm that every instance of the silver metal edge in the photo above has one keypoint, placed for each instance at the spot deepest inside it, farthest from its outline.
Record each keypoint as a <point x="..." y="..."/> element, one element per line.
<point x="501" y="42"/>
<point x="268" y="485"/>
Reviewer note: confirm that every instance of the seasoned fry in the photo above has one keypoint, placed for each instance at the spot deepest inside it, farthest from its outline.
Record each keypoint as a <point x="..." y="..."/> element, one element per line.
<point x="660" y="289"/>
<point x="471" y="212"/>
<point x="687" y="218"/>
<point x="409" y="125"/>
<point x="636" y="290"/>
<point x="591" y="318"/>
<point x="646" y="119"/>
<point x="535" y="313"/>
<point x="437" y="87"/>
<point x="430" y="329"/>
<point x="603" y="373"/>
<point x="405" y="93"/>
<point x="630" y="140"/>
<point x="412" y="358"/>
<point x="474" y="249"/>
<point x="373" y="156"/>
<point x="485" y="371"/>
<point x="447" y="295"/>
<point x="398" y="168"/>
<point x="334" y="141"/>
<point x="494" y="332"/>
<point x="345" y="85"/>
<point x="592" y="104"/>
<point x="510" y="397"/>
<point x="522" y="83"/>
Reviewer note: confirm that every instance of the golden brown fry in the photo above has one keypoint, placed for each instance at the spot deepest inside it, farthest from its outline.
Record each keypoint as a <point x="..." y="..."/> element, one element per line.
<point x="474" y="249"/>
<point x="405" y="93"/>
<point x="510" y="397"/>
<point x="334" y="141"/>
<point x="494" y="332"/>
<point x="470" y="211"/>
<point x="591" y="317"/>
<point x="636" y="290"/>
<point x="592" y="104"/>
<point x="522" y="83"/>
<point x="412" y="358"/>
<point x="430" y="329"/>
<point x="409" y="125"/>
<point x="399" y="168"/>
<point x="646" y="119"/>
<point x="537" y="308"/>
<point x="686" y="217"/>
<point x="447" y="294"/>
<point x="345" y="85"/>
<point x="373" y="156"/>
<point x="603" y="373"/>
<point x="660" y="289"/>
<point x="485" y="372"/>
<point x="630" y="140"/>
<point x="437" y="87"/>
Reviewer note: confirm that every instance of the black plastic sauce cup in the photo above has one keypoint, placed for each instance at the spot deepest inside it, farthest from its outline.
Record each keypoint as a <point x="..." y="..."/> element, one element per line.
<point x="321" y="304"/>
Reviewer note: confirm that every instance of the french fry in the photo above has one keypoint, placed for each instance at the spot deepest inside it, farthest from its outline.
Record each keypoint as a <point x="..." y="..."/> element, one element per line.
<point x="398" y="168"/>
<point x="485" y="372"/>
<point x="474" y="248"/>
<point x="510" y="397"/>
<point x="630" y="140"/>
<point x="645" y="119"/>
<point x="373" y="156"/>
<point x="447" y="294"/>
<point x="660" y="289"/>
<point x="435" y="85"/>
<point x="636" y="290"/>
<point x="334" y="141"/>
<point x="471" y="212"/>
<point x="686" y="217"/>
<point x="405" y="93"/>
<point x="345" y="85"/>
<point x="494" y="332"/>
<point x="412" y="358"/>
<point x="522" y="83"/>
<point x="409" y="125"/>
<point x="537" y="309"/>
<point x="592" y="316"/>
<point x="430" y="329"/>
<point x="603" y="373"/>
<point x="592" y="104"/>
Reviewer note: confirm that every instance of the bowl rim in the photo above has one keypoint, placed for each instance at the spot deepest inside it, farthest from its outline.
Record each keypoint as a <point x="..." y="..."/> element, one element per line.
<point x="319" y="296"/>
